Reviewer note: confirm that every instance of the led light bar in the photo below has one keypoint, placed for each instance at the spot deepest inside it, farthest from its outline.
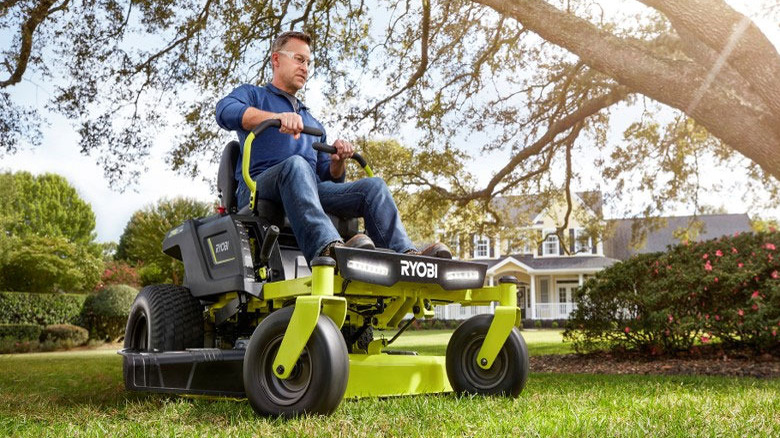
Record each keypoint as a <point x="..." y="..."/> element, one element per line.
<point x="370" y="268"/>
<point x="462" y="275"/>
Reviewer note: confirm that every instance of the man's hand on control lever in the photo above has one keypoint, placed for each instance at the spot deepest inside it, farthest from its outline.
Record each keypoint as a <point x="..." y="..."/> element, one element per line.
<point x="292" y="124"/>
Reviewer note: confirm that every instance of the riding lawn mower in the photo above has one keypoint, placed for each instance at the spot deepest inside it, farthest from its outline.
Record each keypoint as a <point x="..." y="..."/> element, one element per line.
<point x="254" y="320"/>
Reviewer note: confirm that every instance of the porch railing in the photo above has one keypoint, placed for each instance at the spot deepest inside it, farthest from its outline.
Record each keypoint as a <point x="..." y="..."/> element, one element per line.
<point x="554" y="310"/>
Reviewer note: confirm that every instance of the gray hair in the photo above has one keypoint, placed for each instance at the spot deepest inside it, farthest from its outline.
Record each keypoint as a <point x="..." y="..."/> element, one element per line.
<point x="282" y="39"/>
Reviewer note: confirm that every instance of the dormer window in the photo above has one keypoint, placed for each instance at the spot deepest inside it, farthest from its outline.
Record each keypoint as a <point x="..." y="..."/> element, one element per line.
<point x="582" y="242"/>
<point x="482" y="247"/>
<point x="550" y="245"/>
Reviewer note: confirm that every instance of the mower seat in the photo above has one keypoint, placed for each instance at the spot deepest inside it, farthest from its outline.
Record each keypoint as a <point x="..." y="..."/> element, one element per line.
<point x="269" y="210"/>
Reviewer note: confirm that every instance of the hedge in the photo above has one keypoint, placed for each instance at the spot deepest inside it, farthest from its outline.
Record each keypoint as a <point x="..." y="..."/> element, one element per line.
<point x="725" y="290"/>
<point x="41" y="309"/>
<point x="20" y="332"/>
<point x="65" y="333"/>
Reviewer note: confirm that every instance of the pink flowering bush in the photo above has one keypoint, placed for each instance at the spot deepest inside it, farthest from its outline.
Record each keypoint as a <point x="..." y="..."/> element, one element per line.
<point x="725" y="290"/>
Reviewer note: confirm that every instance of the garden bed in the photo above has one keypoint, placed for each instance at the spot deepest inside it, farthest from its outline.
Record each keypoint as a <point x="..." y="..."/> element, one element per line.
<point x="713" y="363"/>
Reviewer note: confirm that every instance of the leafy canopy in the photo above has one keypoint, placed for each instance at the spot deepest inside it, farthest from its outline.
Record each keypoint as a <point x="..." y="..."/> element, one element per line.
<point x="535" y="85"/>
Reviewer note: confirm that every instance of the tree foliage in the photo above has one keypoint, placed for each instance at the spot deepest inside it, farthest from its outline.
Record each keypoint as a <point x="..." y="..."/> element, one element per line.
<point x="142" y="238"/>
<point x="49" y="264"/>
<point x="44" y="206"/>
<point x="536" y="83"/>
<point x="46" y="244"/>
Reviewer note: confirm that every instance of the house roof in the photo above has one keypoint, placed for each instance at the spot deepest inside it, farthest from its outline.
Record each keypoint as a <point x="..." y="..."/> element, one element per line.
<point x="618" y="246"/>
<point x="565" y="263"/>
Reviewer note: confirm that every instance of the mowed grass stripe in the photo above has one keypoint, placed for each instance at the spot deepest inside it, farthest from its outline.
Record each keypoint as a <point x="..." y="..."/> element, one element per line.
<point x="81" y="394"/>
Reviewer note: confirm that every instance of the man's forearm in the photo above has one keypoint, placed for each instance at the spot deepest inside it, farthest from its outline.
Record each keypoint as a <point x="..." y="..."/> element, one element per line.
<point x="253" y="117"/>
<point x="337" y="169"/>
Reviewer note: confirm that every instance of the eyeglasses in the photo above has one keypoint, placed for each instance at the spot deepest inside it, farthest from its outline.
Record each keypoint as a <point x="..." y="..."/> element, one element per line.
<point x="299" y="59"/>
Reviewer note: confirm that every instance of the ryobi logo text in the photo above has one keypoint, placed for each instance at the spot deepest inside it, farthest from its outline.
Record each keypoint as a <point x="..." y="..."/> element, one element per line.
<point x="222" y="246"/>
<point x="419" y="269"/>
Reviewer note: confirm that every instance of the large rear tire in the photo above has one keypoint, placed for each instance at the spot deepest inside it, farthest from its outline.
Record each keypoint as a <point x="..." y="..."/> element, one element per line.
<point x="507" y="375"/>
<point x="163" y="317"/>
<point x="318" y="381"/>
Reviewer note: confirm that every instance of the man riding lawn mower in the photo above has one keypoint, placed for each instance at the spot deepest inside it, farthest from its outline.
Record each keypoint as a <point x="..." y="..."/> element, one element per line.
<point x="282" y="295"/>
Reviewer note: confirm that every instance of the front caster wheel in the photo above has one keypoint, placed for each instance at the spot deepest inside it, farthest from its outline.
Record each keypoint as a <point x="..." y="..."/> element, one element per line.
<point x="507" y="375"/>
<point x="318" y="380"/>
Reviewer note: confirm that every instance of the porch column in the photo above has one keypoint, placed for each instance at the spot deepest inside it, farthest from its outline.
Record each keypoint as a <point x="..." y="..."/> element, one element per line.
<point x="582" y="279"/>
<point x="533" y="296"/>
<point x="490" y="280"/>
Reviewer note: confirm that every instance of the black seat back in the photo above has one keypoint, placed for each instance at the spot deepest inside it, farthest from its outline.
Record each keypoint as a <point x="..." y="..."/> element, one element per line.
<point x="273" y="212"/>
<point x="226" y="178"/>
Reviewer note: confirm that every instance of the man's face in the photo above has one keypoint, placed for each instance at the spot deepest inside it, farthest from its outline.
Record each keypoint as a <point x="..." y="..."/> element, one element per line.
<point x="289" y="72"/>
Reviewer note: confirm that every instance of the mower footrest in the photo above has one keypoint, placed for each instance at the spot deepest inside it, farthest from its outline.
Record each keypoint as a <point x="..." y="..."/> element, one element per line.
<point x="206" y="371"/>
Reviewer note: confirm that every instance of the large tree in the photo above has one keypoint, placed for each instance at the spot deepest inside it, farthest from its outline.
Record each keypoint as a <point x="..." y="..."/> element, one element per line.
<point x="46" y="235"/>
<point x="141" y="241"/>
<point x="538" y="83"/>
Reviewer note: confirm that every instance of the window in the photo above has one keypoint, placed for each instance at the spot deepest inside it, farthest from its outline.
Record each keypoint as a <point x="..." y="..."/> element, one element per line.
<point x="544" y="285"/>
<point x="482" y="247"/>
<point x="550" y="246"/>
<point x="582" y="242"/>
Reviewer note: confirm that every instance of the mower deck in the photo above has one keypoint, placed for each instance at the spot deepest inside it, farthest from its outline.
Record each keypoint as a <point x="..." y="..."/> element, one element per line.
<point x="215" y="372"/>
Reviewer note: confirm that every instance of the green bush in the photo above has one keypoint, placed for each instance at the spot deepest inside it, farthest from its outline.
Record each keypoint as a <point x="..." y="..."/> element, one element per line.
<point x="152" y="274"/>
<point x="20" y="332"/>
<point x="105" y="313"/>
<point x="724" y="290"/>
<point x="39" y="309"/>
<point x="65" y="334"/>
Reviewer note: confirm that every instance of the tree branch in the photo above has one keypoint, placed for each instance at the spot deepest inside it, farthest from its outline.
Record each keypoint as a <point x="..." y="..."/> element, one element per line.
<point x="36" y="16"/>
<point x="676" y="83"/>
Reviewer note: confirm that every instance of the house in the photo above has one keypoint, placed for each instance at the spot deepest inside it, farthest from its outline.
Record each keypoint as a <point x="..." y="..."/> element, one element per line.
<point x="550" y="270"/>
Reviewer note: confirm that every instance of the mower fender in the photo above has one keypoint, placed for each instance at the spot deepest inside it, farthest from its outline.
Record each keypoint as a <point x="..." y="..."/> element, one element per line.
<point x="504" y="320"/>
<point x="507" y="316"/>
<point x="302" y="323"/>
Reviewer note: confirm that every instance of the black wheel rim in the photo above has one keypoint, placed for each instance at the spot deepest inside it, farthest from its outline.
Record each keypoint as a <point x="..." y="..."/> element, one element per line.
<point x="479" y="378"/>
<point x="139" y="334"/>
<point x="283" y="392"/>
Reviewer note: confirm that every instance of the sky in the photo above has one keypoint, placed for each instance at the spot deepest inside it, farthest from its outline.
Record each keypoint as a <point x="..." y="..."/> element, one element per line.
<point x="57" y="151"/>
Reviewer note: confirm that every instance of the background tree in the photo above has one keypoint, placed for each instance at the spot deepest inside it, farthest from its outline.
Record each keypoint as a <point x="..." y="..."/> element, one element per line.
<point x="535" y="83"/>
<point x="46" y="206"/>
<point x="141" y="241"/>
<point x="46" y="235"/>
<point x="49" y="264"/>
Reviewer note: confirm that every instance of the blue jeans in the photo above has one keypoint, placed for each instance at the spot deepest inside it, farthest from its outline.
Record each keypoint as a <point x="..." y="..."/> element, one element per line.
<point x="294" y="184"/>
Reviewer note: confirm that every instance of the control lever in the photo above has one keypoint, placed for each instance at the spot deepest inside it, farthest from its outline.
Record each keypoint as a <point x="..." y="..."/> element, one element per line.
<point x="271" y="234"/>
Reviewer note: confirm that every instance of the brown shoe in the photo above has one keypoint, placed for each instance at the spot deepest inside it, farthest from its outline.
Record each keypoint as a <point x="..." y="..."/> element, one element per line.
<point x="437" y="249"/>
<point x="361" y="241"/>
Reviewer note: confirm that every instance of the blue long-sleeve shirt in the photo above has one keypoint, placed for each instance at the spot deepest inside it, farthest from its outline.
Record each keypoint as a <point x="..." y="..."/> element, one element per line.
<point x="272" y="147"/>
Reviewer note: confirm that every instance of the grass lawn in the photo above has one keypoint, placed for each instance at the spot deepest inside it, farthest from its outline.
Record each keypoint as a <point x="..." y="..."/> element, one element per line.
<point x="81" y="394"/>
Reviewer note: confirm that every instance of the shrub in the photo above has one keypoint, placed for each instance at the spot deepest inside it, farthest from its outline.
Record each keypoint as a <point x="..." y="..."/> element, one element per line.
<point x="152" y="274"/>
<point x="20" y="332"/>
<point x="105" y="313"/>
<point x="66" y="334"/>
<point x="120" y="272"/>
<point x="725" y="289"/>
<point x="537" y="324"/>
<point x="39" y="309"/>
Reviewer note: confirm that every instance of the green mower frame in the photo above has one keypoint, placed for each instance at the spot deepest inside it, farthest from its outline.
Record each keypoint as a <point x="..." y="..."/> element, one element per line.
<point x="311" y="336"/>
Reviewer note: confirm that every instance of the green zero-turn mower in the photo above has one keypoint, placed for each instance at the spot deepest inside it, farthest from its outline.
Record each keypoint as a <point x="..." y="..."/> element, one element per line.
<point x="254" y="320"/>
